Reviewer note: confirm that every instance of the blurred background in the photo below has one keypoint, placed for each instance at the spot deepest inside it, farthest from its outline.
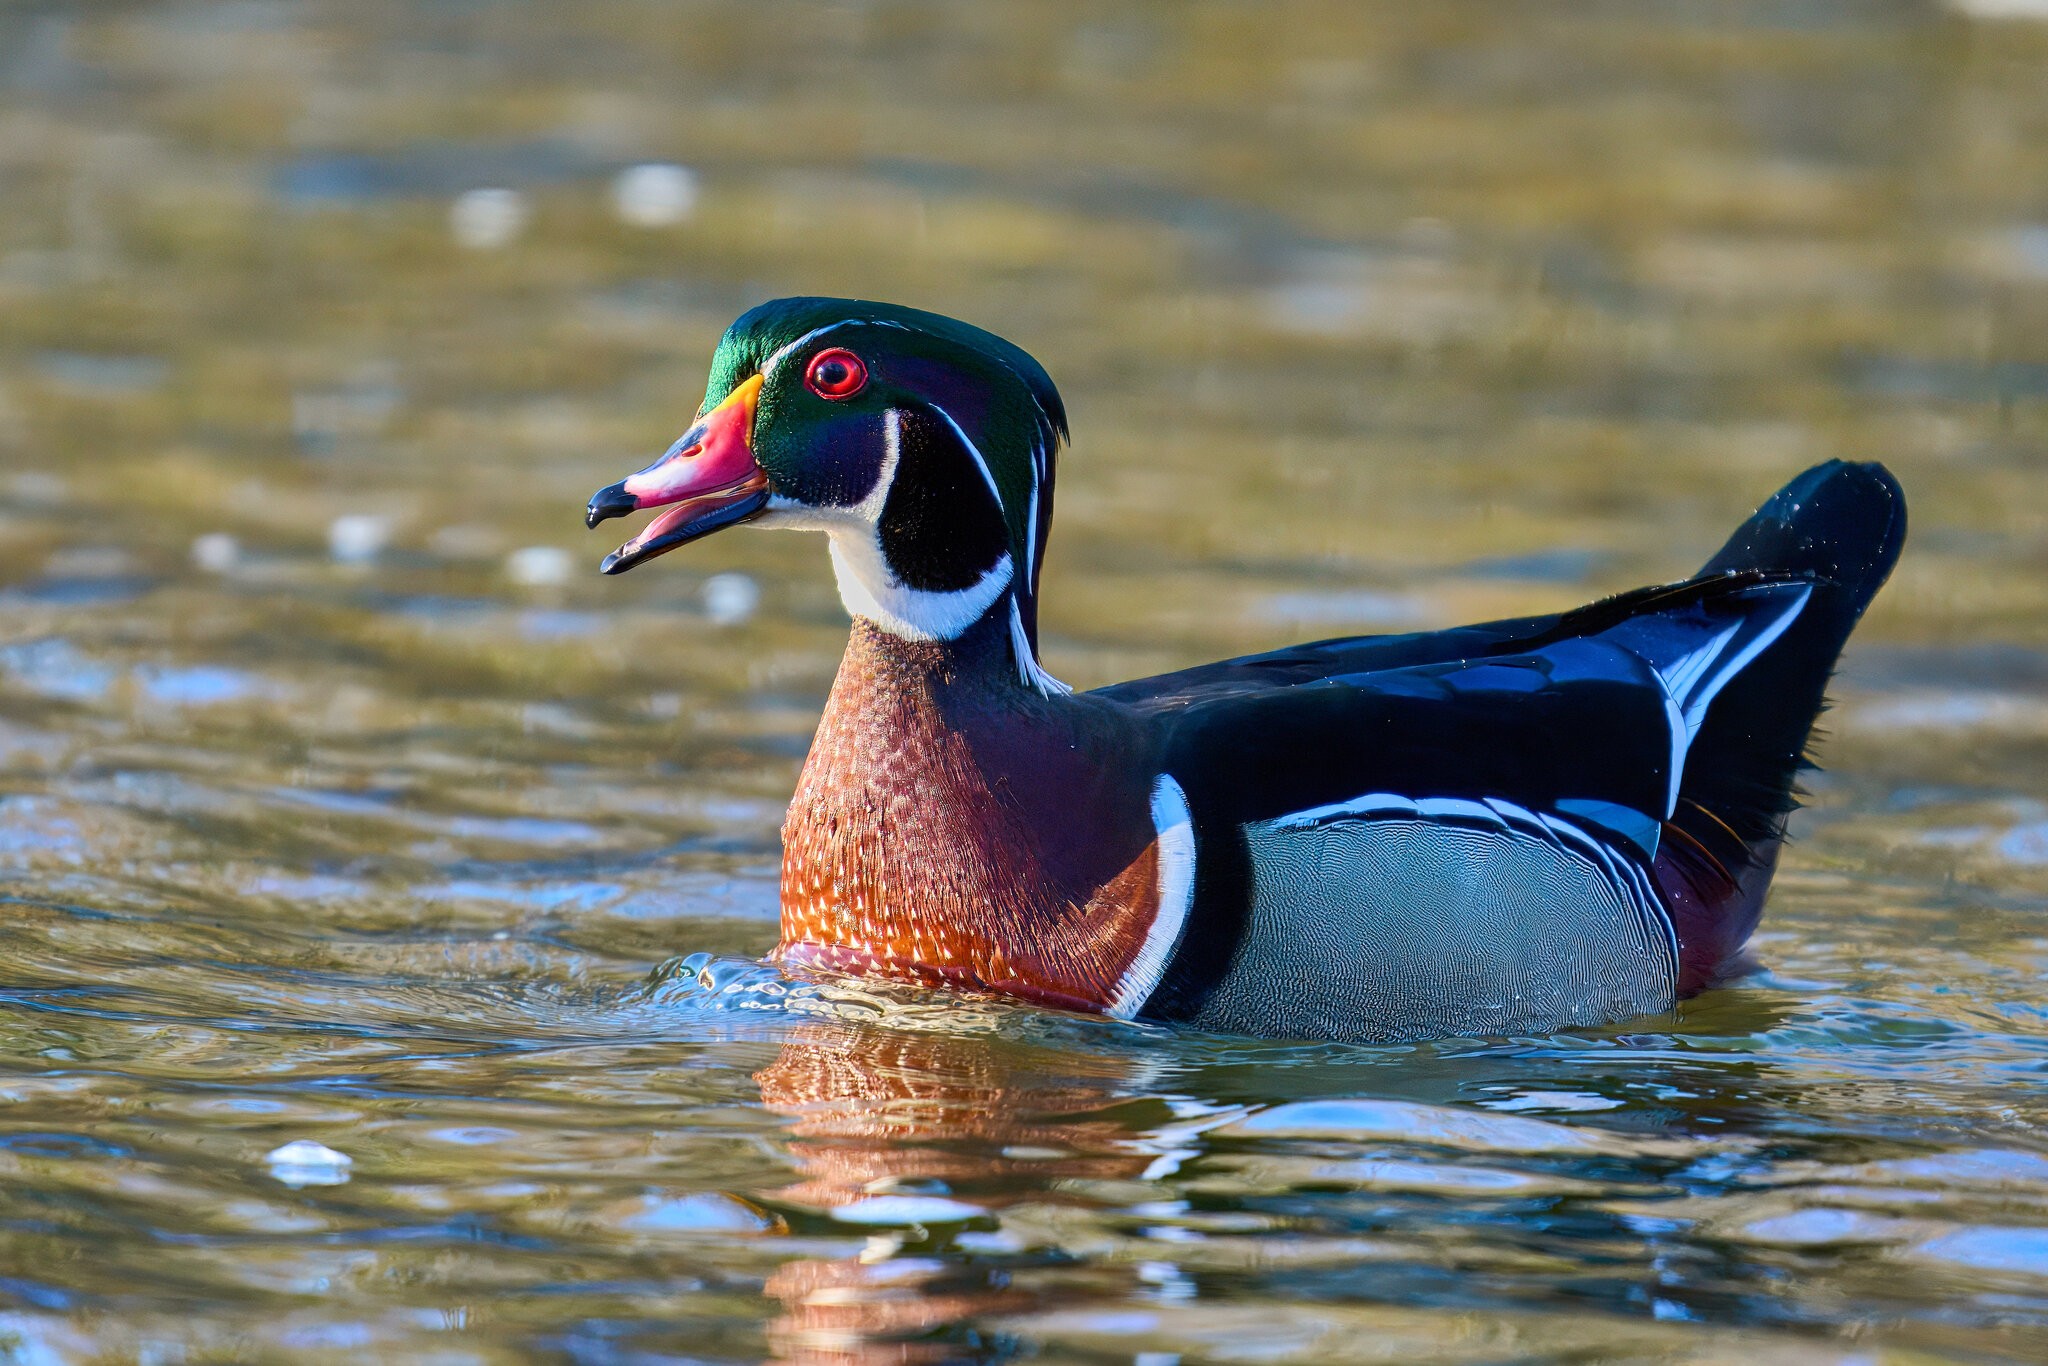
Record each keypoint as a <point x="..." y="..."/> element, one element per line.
<point x="341" y="802"/>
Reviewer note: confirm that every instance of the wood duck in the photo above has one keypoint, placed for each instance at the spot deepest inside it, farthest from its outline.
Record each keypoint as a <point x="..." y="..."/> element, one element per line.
<point x="1509" y="828"/>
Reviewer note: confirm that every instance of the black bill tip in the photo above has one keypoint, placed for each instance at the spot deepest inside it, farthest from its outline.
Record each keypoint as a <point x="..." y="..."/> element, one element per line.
<point x="610" y="502"/>
<point x="638" y="551"/>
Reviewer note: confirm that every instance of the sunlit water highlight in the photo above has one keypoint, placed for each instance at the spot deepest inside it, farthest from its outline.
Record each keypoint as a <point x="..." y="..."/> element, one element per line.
<point x="351" y="829"/>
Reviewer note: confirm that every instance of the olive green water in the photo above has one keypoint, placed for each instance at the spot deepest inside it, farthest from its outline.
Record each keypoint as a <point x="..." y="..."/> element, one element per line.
<point x="1370" y="316"/>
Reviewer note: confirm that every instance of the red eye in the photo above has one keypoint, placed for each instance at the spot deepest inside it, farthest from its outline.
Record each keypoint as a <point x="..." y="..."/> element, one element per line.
<point x="836" y="374"/>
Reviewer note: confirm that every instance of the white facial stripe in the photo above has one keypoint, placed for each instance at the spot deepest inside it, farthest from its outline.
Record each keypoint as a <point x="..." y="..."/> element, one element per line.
<point x="867" y="586"/>
<point x="870" y="507"/>
<point x="785" y="351"/>
<point x="975" y="451"/>
<point x="1033" y="673"/>
<point x="1174" y="829"/>
<point x="1031" y="541"/>
<point x="787" y="514"/>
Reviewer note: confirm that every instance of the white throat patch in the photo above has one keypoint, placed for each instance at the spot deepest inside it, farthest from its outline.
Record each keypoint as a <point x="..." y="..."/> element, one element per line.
<point x="870" y="589"/>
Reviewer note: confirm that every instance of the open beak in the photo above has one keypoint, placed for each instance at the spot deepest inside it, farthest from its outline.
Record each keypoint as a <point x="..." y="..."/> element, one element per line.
<point x="710" y="475"/>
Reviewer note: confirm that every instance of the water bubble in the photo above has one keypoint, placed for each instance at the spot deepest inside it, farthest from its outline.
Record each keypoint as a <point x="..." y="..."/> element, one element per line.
<point x="656" y="194"/>
<point x="303" y="1162"/>
<point x="216" y="552"/>
<point x="358" y="537"/>
<point x="484" y="220"/>
<point x="539" y="566"/>
<point x="729" y="599"/>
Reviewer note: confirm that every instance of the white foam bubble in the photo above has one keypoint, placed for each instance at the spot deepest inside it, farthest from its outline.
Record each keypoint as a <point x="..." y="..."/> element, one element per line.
<point x="730" y="599"/>
<point x="485" y="220"/>
<point x="356" y="537"/>
<point x="303" y="1162"/>
<point x="216" y="552"/>
<point x="655" y="194"/>
<point x="539" y="566"/>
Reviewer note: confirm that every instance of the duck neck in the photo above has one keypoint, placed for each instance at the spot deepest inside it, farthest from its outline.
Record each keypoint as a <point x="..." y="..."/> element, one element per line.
<point x="956" y="825"/>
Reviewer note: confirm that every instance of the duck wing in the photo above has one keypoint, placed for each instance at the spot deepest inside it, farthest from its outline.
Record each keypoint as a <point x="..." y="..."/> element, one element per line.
<point x="1317" y="660"/>
<point x="1604" y="790"/>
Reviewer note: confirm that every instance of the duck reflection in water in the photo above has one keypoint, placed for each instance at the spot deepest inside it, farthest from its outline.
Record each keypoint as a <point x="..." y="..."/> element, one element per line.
<point x="965" y="1152"/>
<point x="928" y="1134"/>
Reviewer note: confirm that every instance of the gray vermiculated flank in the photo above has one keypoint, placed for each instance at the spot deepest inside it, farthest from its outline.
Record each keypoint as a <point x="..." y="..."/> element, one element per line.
<point x="1386" y="927"/>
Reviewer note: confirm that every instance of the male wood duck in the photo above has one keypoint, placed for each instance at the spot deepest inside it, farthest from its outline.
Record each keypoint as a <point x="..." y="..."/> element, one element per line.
<point x="1509" y="828"/>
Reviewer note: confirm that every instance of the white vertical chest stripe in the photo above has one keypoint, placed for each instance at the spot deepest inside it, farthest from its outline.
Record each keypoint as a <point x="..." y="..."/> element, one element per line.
<point x="1174" y="830"/>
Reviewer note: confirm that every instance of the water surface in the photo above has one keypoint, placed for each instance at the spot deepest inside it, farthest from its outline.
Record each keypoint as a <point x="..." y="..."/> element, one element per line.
<point x="345" y="824"/>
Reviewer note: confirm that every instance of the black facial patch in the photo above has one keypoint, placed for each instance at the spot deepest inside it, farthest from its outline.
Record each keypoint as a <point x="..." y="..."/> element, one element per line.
<point x="941" y="529"/>
<point x="840" y="463"/>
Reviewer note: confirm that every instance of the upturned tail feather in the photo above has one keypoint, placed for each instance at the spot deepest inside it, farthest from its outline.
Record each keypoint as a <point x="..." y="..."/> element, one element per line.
<point x="1838" y="526"/>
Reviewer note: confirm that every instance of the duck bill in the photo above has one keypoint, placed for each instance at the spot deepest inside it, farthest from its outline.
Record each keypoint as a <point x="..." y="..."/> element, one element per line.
<point x="707" y="480"/>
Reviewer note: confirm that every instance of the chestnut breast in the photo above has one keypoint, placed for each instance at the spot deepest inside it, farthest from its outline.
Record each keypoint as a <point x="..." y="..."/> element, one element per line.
<point x="950" y="827"/>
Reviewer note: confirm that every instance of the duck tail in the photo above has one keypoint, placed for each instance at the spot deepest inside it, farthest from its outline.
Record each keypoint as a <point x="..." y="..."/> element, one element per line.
<point x="1837" y="528"/>
<point x="1840" y="523"/>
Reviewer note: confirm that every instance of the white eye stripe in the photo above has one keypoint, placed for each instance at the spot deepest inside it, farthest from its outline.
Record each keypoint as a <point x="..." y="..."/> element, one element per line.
<point x="784" y="352"/>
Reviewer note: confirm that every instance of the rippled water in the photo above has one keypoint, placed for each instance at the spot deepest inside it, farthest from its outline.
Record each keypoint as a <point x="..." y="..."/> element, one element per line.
<point x="344" y="821"/>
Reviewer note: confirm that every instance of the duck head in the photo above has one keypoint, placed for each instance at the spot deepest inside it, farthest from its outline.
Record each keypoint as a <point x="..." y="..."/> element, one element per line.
<point x="923" y="447"/>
